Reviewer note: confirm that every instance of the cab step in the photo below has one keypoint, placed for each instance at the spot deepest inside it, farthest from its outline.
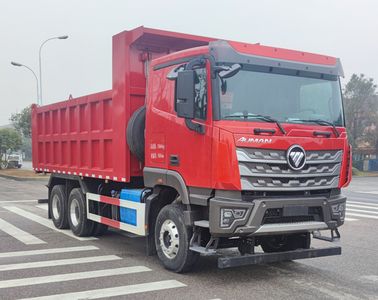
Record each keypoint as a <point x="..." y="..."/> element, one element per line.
<point x="202" y="223"/>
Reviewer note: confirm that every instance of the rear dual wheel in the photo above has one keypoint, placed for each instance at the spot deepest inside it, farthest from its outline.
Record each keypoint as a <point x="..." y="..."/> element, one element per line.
<point x="58" y="207"/>
<point x="71" y="213"/>
<point x="77" y="214"/>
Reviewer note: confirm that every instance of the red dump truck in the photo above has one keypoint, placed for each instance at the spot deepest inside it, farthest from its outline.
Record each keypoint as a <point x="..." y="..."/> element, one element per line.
<point x="201" y="145"/>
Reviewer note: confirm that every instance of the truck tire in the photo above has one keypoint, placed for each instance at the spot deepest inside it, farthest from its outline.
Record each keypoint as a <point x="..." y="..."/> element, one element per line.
<point x="99" y="229"/>
<point x="172" y="238"/>
<point x="135" y="133"/>
<point x="58" y="207"/>
<point x="77" y="214"/>
<point x="279" y="243"/>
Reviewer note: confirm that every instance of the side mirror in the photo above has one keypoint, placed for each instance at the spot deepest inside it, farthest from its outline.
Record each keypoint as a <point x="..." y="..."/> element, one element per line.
<point x="185" y="94"/>
<point x="231" y="71"/>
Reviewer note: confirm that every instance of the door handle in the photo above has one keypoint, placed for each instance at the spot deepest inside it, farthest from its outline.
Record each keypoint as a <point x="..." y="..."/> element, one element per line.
<point x="174" y="160"/>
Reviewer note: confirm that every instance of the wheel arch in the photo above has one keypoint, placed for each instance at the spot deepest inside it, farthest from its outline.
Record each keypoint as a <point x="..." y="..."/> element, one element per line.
<point x="158" y="178"/>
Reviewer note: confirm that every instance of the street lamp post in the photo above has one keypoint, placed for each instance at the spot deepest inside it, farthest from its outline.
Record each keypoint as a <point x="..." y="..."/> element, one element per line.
<point x="36" y="78"/>
<point x="63" y="37"/>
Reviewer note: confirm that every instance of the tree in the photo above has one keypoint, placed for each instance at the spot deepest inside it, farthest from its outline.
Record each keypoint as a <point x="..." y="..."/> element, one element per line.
<point x="10" y="140"/>
<point x="361" y="111"/>
<point x="22" y="121"/>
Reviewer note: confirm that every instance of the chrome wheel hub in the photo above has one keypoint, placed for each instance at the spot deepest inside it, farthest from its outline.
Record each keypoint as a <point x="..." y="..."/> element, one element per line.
<point x="55" y="207"/>
<point x="169" y="239"/>
<point x="74" y="212"/>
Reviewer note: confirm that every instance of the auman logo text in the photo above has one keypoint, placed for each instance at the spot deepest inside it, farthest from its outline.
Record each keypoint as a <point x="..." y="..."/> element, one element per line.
<point x="254" y="140"/>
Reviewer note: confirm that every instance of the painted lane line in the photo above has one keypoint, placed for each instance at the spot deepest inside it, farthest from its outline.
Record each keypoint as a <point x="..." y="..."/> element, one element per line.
<point x="42" y="206"/>
<point x="370" y="278"/>
<point x="362" y="203"/>
<point x="58" y="262"/>
<point x="71" y="276"/>
<point x="361" y="215"/>
<point x="44" y="222"/>
<point x="19" y="234"/>
<point x="362" y="211"/>
<point x="46" y="251"/>
<point x="350" y="219"/>
<point x="115" y="291"/>
<point x="17" y="201"/>
<point x="367" y="192"/>
<point x="362" y="206"/>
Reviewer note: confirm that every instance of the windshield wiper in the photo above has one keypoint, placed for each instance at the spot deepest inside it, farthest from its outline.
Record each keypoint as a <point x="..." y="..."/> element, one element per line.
<point x="321" y="122"/>
<point x="257" y="116"/>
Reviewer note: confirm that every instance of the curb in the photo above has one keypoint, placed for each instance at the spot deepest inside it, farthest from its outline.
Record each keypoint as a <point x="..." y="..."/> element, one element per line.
<point x="23" y="178"/>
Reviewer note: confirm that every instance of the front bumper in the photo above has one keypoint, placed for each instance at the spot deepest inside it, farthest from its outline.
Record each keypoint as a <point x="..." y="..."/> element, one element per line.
<point x="264" y="258"/>
<point x="331" y="215"/>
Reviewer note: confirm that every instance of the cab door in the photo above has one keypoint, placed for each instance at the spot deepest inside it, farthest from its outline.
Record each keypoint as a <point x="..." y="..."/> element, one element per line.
<point x="171" y="143"/>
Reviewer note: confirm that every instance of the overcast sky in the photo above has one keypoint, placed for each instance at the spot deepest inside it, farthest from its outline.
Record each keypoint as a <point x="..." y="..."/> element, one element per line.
<point x="82" y="63"/>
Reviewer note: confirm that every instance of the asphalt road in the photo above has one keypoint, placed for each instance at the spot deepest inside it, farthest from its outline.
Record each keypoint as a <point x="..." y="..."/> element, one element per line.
<point x="115" y="264"/>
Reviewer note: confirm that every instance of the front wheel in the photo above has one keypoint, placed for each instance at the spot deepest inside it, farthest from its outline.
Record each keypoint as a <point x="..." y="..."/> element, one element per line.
<point x="172" y="239"/>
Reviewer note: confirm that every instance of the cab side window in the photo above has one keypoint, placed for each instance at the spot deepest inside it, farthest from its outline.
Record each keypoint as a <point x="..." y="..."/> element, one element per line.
<point x="201" y="94"/>
<point x="200" y="91"/>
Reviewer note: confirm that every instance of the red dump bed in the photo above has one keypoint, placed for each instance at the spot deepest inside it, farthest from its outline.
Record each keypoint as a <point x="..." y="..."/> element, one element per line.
<point x="86" y="136"/>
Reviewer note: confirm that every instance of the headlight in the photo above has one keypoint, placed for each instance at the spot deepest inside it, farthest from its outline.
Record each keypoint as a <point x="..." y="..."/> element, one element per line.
<point x="338" y="209"/>
<point x="229" y="215"/>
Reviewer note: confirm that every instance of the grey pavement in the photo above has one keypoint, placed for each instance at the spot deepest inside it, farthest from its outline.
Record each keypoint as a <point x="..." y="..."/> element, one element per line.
<point x="115" y="264"/>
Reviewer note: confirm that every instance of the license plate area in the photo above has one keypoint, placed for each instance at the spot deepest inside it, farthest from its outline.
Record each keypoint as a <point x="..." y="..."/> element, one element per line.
<point x="295" y="210"/>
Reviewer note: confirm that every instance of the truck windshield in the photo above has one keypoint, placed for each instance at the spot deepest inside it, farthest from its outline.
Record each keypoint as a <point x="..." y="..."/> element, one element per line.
<point x="288" y="96"/>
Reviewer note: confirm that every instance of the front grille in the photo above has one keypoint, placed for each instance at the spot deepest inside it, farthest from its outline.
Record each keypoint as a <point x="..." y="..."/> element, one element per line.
<point x="268" y="170"/>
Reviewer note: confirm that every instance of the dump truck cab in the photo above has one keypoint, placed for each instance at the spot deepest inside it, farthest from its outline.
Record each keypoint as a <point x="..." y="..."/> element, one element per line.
<point x="255" y="133"/>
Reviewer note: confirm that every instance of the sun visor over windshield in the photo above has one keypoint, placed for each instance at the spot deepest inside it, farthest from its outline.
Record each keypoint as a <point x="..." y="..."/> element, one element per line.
<point x="222" y="51"/>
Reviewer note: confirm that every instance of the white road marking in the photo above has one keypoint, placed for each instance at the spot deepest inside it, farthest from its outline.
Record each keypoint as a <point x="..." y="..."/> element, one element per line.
<point x="370" y="278"/>
<point x="350" y="219"/>
<point x="361" y="215"/>
<point x="71" y="276"/>
<point x="362" y="211"/>
<point x="362" y="203"/>
<point x="58" y="262"/>
<point x="19" y="234"/>
<point x="42" y="206"/>
<point x="45" y="222"/>
<point x="362" y="206"/>
<point x="46" y="251"/>
<point x="367" y="192"/>
<point x="115" y="291"/>
<point x="17" y="201"/>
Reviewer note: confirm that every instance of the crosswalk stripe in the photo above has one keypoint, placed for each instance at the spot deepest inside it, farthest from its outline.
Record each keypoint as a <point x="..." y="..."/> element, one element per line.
<point x="71" y="276"/>
<point x="350" y="219"/>
<point x="362" y="211"/>
<point x="43" y="206"/>
<point x="368" y="192"/>
<point x="362" y="203"/>
<point x="362" y="206"/>
<point x="370" y="277"/>
<point x="115" y="291"/>
<point x="17" y="201"/>
<point x="46" y="251"/>
<point x="45" y="222"/>
<point x="19" y="234"/>
<point x="361" y="215"/>
<point x="58" y="262"/>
